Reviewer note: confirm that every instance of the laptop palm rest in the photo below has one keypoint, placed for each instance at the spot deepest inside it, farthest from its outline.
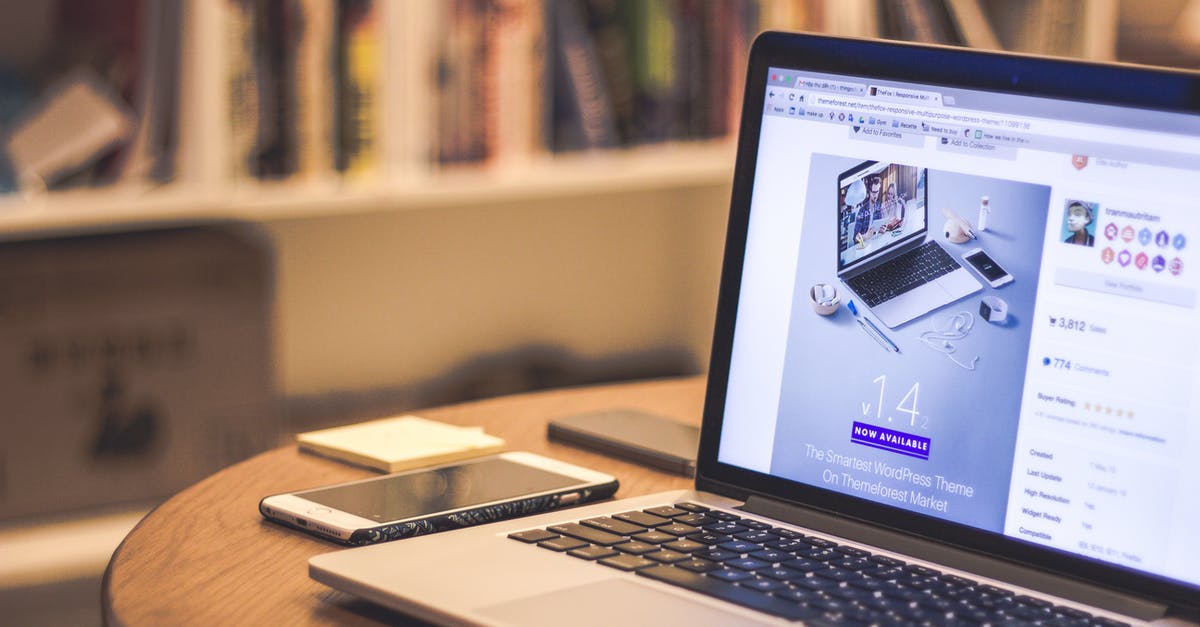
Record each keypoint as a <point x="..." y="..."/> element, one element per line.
<point x="610" y="602"/>
<point x="942" y="553"/>
<point x="921" y="300"/>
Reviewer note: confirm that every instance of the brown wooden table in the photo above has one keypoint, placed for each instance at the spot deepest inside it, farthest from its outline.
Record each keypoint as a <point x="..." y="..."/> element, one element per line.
<point x="206" y="557"/>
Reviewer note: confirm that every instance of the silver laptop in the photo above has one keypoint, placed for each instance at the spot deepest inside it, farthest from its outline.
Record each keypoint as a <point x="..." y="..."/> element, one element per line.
<point x="885" y="253"/>
<point x="1026" y="455"/>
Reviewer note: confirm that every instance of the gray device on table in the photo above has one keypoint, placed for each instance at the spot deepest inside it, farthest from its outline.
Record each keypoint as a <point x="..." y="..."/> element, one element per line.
<point x="635" y="435"/>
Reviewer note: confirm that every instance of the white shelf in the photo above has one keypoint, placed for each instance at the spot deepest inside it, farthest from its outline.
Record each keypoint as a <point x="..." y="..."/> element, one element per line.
<point x="37" y="554"/>
<point x="665" y="167"/>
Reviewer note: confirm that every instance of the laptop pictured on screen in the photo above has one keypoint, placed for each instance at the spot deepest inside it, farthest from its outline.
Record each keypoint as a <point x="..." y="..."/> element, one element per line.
<point x="884" y="253"/>
<point x="1022" y="455"/>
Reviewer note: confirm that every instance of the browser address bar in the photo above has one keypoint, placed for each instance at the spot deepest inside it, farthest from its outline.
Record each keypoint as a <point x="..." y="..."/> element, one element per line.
<point x="984" y="119"/>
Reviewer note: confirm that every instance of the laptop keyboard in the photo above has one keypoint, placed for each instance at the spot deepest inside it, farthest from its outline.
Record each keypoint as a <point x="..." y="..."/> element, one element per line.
<point x="916" y="267"/>
<point x="790" y="574"/>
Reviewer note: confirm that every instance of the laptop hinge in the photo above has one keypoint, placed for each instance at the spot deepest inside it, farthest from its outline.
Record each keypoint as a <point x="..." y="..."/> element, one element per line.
<point x="1024" y="576"/>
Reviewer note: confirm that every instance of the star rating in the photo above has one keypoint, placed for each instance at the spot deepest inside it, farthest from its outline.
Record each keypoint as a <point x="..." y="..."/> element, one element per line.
<point x="1108" y="410"/>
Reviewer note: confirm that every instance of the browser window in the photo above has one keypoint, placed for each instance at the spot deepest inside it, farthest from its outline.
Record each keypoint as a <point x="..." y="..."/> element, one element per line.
<point x="1056" y="405"/>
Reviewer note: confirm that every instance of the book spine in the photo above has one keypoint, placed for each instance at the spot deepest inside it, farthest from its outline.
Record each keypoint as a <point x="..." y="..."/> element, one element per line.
<point x="357" y="51"/>
<point x="582" y="110"/>
<point x="276" y="34"/>
<point x="513" y="30"/>
<point x="314" y="89"/>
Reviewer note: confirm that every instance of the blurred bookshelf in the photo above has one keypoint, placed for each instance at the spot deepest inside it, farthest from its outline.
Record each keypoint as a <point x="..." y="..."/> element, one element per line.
<point x="176" y="110"/>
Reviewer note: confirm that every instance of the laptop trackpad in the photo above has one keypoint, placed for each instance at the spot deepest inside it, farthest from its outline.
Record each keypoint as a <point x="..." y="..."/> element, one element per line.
<point x="607" y="603"/>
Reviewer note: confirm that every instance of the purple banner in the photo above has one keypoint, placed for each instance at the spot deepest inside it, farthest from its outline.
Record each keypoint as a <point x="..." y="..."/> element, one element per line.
<point x="889" y="440"/>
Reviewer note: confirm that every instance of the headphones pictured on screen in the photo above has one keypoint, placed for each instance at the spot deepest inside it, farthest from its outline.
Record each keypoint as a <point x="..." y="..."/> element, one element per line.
<point x="824" y="298"/>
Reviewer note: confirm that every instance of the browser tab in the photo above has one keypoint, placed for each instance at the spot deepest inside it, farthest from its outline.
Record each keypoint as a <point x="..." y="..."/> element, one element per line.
<point x="898" y="94"/>
<point x="837" y="87"/>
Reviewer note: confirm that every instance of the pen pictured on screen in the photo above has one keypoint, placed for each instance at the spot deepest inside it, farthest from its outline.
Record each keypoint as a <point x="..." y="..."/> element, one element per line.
<point x="870" y="329"/>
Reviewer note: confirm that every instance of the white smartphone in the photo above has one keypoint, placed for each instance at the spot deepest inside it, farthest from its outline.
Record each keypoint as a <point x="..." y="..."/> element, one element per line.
<point x="987" y="267"/>
<point x="435" y="499"/>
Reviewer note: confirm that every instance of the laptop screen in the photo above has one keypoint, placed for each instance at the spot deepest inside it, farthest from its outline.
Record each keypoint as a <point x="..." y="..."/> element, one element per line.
<point x="1058" y="407"/>
<point x="881" y="206"/>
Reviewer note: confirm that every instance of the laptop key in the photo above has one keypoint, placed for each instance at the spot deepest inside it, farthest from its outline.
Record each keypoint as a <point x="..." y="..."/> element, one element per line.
<point x="960" y="582"/>
<point x="643" y="519"/>
<point x="921" y="570"/>
<point x="695" y="520"/>
<point x="762" y="584"/>
<point x="562" y="544"/>
<point x="771" y="555"/>
<point x="612" y="525"/>
<point x="781" y="573"/>
<point x="730" y="574"/>
<point x="994" y="591"/>
<point x="786" y="533"/>
<point x="716" y="555"/>
<point x="747" y="563"/>
<point x="795" y="595"/>
<point x="665" y="511"/>
<point x="692" y="507"/>
<point x="592" y="552"/>
<point x="666" y="556"/>
<point x="595" y="536"/>
<point x="710" y="538"/>
<point x="628" y="562"/>
<point x="838" y="574"/>
<point x="892" y="562"/>
<point x="697" y="565"/>
<point x="756" y="535"/>
<point x="726" y="516"/>
<point x="804" y="565"/>
<point x="789" y="545"/>
<point x="532" y="536"/>
<point x="636" y="548"/>
<point x="685" y="546"/>
<point x="727" y="528"/>
<point x="655" y="537"/>
<point x="728" y="592"/>
<point x="678" y="529"/>
<point x="739" y="546"/>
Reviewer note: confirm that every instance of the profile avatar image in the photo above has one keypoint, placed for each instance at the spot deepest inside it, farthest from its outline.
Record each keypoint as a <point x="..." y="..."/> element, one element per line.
<point x="1079" y="223"/>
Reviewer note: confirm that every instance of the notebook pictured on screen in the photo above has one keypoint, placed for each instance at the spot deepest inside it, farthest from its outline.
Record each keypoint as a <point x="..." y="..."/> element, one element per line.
<point x="1023" y="453"/>
<point x="885" y="252"/>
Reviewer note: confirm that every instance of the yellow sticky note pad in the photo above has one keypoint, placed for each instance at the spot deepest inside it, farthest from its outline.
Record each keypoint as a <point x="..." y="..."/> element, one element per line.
<point x="400" y="443"/>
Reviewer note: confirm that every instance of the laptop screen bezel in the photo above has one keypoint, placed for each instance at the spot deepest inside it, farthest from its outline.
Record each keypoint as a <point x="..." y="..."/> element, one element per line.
<point x="1151" y="89"/>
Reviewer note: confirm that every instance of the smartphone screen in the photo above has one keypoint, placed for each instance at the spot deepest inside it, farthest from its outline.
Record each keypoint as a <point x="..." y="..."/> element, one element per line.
<point x="453" y="487"/>
<point x="988" y="268"/>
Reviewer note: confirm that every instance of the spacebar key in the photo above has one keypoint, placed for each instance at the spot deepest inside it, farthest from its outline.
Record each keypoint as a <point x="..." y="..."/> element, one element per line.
<point x="728" y="592"/>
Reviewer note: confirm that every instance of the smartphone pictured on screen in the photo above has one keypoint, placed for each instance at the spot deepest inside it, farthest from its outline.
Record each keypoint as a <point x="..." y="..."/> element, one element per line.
<point x="987" y="267"/>
<point x="446" y="497"/>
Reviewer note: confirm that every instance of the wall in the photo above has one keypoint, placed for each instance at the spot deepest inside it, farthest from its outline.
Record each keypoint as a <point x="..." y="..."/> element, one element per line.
<point x="386" y="299"/>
